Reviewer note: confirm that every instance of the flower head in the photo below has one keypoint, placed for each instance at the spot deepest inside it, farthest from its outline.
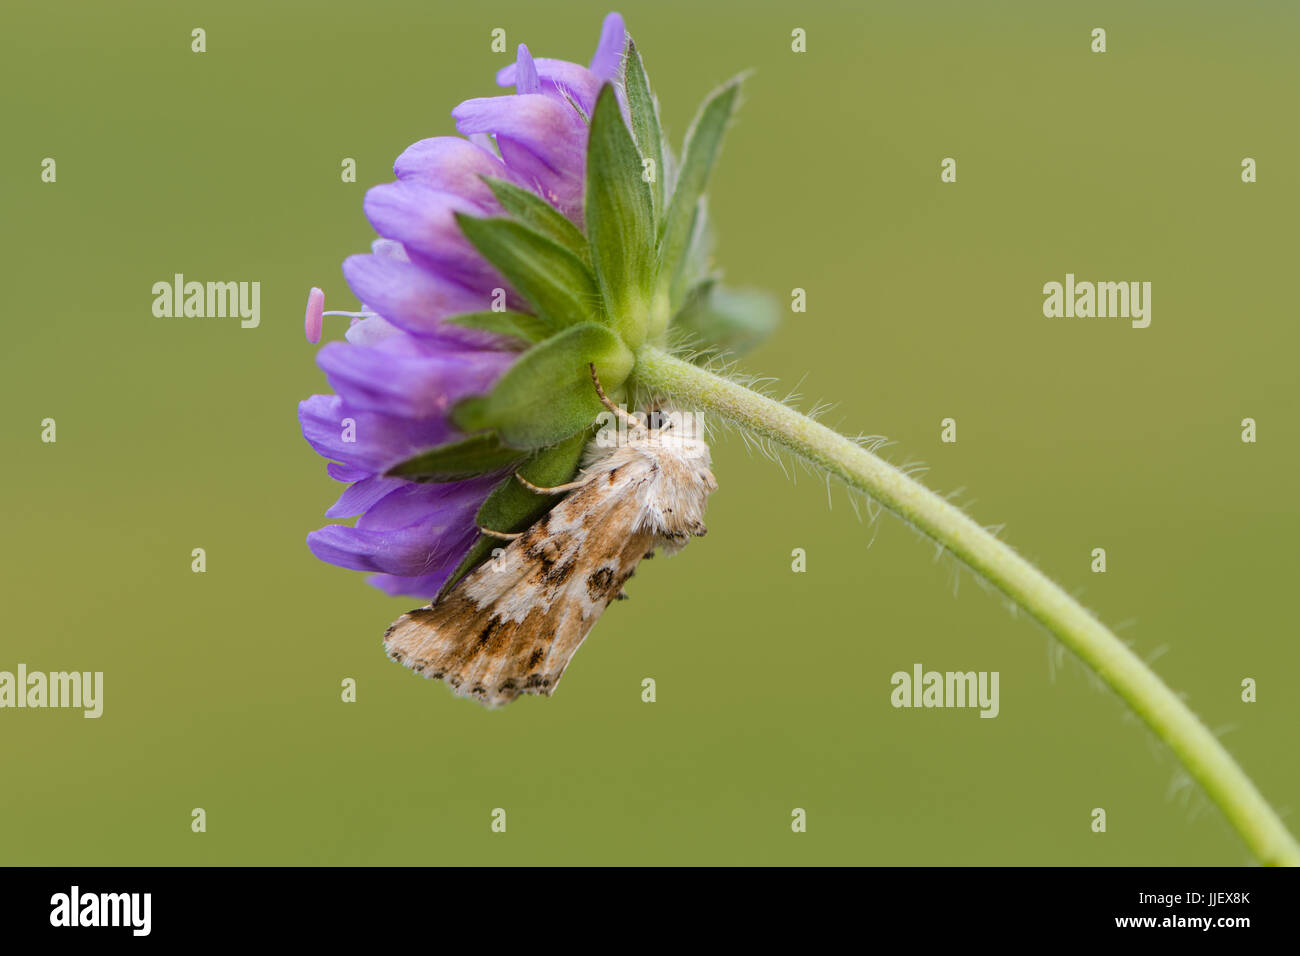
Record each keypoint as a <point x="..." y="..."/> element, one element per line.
<point x="512" y="260"/>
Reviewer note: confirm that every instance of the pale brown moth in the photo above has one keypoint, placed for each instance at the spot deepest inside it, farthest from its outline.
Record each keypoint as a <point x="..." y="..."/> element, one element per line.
<point x="511" y="626"/>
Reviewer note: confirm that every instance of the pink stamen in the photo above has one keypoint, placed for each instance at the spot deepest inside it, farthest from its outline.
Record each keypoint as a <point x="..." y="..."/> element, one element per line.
<point x="314" y="320"/>
<point x="315" y="315"/>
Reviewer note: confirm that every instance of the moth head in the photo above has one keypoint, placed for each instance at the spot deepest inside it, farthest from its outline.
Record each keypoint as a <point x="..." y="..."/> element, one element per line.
<point x="678" y="430"/>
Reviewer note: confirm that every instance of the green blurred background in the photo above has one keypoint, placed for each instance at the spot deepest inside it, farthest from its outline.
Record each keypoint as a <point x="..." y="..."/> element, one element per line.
<point x="924" y="302"/>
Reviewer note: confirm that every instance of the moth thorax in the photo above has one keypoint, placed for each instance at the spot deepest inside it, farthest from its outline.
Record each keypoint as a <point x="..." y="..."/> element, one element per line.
<point x="675" y="498"/>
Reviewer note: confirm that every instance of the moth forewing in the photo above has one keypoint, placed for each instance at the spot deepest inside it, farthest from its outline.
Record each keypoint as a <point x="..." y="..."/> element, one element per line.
<point x="511" y="626"/>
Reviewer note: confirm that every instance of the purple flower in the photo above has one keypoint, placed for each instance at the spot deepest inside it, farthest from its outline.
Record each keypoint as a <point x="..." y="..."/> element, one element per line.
<point x="403" y="366"/>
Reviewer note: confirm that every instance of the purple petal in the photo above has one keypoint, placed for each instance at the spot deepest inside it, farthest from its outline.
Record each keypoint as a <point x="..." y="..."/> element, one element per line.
<point x="412" y="503"/>
<point x="388" y="249"/>
<point x="527" y="81"/>
<point x="454" y="165"/>
<point x="542" y="141"/>
<point x="608" y="60"/>
<point x="362" y="495"/>
<point x="423" y="220"/>
<point x="377" y="441"/>
<point x="371" y="331"/>
<point x="406" y="552"/>
<point x="378" y="380"/>
<point x="442" y="529"/>
<point x="344" y="472"/>
<point x="415" y="298"/>
<point x="560" y="80"/>
<point x="425" y="586"/>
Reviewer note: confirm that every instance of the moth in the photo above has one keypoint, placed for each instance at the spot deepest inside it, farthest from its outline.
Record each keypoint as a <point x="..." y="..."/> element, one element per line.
<point x="512" y="625"/>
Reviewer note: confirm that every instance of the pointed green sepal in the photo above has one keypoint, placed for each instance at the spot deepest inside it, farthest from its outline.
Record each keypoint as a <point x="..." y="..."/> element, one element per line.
<point x="646" y="131"/>
<point x="703" y="142"/>
<point x="620" y="219"/>
<point x="548" y="395"/>
<point x="532" y="210"/>
<point x="457" y="460"/>
<point x="525" y="329"/>
<point x="556" y="283"/>
<point x="695" y="271"/>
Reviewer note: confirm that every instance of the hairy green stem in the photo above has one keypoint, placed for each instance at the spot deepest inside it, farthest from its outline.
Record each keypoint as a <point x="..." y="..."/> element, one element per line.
<point x="1198" y="749"/>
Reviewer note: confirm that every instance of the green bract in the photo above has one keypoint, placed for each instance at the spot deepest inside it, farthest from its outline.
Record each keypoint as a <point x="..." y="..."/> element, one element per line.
<point x="640" y="272"/>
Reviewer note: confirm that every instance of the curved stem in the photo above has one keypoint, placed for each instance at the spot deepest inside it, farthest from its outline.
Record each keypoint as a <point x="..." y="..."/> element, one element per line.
<point x="1198" y="749"/>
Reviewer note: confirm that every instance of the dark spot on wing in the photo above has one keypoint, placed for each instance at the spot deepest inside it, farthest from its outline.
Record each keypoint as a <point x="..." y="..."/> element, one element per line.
<point x="557" y="574"/>
<point x="599" y="583"/>
<point x="544" y="554"/>
<point x="484" y="639"/>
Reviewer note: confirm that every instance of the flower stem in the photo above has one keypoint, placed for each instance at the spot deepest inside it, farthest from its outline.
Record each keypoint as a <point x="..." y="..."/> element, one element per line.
<point x="1198" y="749"/>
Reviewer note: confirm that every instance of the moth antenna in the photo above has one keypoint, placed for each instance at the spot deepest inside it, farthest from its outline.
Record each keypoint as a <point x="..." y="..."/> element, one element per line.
<point x="604" y="400"/>
<point x="557" y="490"/>
<point x="502" y="535"/>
